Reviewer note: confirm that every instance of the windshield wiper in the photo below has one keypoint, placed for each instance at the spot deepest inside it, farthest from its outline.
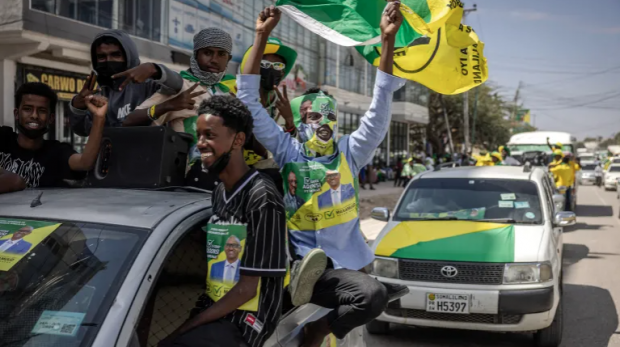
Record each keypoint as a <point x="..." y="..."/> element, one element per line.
<point x="498" y="220"/>
<point x="507" y="220"/>
<point x="438" y="218"/>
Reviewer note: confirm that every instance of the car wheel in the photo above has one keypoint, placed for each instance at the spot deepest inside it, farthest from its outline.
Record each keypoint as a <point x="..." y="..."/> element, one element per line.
<point x="376" y="327"/>
<point x="552" y="335"/>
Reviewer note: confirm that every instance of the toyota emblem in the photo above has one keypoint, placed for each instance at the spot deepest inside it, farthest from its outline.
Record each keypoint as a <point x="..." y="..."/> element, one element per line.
<point x="449" y="271"/>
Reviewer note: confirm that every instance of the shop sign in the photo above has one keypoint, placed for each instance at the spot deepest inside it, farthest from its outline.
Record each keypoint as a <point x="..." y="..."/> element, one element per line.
<point x="65" y="84"/>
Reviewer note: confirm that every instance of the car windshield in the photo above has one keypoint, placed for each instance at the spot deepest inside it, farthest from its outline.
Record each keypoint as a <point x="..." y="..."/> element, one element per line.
<point x="587" y="158"/>
<point x="58" y="280"/>
<point x="588" y="167"/>
<point x="542" y="148"/>
<point x="614" y="169"/>
<point x="501" y="200"/>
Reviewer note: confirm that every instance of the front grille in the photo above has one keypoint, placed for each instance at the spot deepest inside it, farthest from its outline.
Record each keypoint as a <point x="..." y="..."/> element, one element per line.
<point x="468" y="273"/>
<point x="480" y="318"/>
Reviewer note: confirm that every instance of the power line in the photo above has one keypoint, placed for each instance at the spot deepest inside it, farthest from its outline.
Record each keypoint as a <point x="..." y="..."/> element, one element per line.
<point x="581" y="105"/>
<point x="572" y="78"/>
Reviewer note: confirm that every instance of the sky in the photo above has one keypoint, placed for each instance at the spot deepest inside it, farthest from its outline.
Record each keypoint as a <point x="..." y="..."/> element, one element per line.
<point x="565" y="54"/>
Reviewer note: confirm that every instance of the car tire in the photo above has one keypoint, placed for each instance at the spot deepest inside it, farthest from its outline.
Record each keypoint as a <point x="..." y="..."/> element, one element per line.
<point x="552" y="335"/>
<point x="376" y="327"/>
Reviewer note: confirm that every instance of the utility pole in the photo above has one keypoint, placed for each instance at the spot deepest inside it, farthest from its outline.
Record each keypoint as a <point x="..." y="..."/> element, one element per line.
<point x="516" y="99"/>
<point x="448" y="129"/>
<point x="466" y="96"/>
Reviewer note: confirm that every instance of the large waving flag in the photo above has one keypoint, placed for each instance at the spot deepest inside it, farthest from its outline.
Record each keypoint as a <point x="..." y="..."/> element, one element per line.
<point x="356" y="22"/>
<point x="433" y="48"/>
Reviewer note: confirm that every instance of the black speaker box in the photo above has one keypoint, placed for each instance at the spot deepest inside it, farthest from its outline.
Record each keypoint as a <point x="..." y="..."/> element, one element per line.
<point x="140" y="157"/>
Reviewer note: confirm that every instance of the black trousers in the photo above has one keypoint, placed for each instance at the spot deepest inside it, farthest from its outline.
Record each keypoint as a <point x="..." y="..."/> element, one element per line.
<point x="355" y="297"/>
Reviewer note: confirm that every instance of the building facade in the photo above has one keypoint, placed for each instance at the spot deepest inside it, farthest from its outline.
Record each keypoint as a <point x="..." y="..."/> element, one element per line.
<point x="49" y="41"/>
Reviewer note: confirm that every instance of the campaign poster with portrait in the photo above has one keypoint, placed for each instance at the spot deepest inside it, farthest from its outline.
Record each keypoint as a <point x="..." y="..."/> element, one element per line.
<point x="225" y="247"/>
<point x="318" y="196"/>
<point x="18" y="237"/>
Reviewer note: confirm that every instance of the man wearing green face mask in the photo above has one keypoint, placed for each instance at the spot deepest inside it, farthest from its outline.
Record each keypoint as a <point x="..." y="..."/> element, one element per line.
<point x="326" y="167"/>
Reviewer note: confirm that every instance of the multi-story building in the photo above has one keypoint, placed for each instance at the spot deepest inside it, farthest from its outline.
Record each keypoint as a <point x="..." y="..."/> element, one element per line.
<point x="49" y="41"/>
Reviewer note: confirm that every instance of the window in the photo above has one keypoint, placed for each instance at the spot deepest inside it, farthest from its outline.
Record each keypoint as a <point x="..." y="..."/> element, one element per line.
<point x="180" y="283"/>
<point x="399" y="133"/>
<point x="141" y="18"/>
<point x="513" y="201"/>
<point x="96" y="12"/>
<point x="76" y="270"/>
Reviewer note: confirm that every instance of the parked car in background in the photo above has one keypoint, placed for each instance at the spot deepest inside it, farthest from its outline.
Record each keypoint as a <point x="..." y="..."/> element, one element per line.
<point x="479" y="248"/>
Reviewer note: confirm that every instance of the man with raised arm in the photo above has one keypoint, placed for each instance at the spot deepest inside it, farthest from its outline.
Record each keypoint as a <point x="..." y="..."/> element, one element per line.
<point x="329" y="229"/>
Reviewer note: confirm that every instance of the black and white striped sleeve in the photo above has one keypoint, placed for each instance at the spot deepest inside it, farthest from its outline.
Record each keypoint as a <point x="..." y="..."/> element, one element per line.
<point x="265" y="252"/>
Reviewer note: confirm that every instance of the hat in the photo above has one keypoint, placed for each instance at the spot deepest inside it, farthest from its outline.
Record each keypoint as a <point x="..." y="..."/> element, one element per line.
<point x="558" y="152"/>
<point x="275" y="46"/>
<point x="213" y="37"/>
<point x="497" y="156"/>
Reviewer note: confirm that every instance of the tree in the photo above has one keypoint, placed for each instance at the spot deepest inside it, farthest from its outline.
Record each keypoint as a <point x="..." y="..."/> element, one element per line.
<point x="491" y="127"/>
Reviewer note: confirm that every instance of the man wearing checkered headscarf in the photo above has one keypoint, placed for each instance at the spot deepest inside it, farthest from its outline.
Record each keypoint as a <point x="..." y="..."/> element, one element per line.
<point x="217" y="40"/>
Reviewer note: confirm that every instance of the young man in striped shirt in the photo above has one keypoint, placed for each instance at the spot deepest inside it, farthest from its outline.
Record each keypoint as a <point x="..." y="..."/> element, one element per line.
<point x="245" y="239"/>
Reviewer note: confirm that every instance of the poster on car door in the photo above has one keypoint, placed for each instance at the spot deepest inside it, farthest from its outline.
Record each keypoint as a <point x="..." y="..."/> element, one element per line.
<point x="18" y="237"/>
<point x="225" y="246"/>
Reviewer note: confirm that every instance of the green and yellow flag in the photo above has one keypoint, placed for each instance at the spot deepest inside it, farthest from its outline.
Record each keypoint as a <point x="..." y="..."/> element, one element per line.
<point x="524" y="116"/>
<point x="433" y="47"/>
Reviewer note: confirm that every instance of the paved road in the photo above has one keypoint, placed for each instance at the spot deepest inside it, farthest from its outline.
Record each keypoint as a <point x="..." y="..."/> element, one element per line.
<point x="591" y="287"/>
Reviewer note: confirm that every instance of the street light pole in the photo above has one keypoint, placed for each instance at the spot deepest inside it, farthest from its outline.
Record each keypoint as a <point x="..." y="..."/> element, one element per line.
<point x="466" y="97"/>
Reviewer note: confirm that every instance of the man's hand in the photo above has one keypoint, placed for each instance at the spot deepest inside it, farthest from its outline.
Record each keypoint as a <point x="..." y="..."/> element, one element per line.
<point x="138" y="74"/>
<point x="98" y="106"/>
<point x="183" y="101"/>
<point x="284" y="106"/>
<point x="391" y="19"/>
<point x="268" y="19"/>
<point x="79" y="101"/>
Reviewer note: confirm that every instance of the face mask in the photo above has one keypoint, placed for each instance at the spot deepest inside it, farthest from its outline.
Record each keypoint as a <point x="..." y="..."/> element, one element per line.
<point x="30" y="133"/>
<point x="207" y="78"/>
<point x="269" y="78"/>
<point x="220" y="163"/>
<point x="322" y="113"/>
<point x="107" y="69"/>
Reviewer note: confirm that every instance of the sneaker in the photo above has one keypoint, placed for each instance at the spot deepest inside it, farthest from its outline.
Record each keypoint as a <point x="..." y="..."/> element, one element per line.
<point x="395" y="291"/>
<point x="304" y="275"/>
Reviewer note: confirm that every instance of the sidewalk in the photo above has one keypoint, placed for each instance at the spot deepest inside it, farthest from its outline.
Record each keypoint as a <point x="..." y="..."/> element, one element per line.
<point x="384" y="195"/>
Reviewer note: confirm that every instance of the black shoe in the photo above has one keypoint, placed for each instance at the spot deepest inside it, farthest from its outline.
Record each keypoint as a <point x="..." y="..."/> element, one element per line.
<point x="395" y="291"/>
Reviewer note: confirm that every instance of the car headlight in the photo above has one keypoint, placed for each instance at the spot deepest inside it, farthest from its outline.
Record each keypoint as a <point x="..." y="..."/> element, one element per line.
<point x="527" y="273"/>
<point x="384" y="267"/>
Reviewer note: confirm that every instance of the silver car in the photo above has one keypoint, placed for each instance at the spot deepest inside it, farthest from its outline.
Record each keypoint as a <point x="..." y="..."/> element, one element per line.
<point x="112" y="267"/>
<point x="587" y="173"/>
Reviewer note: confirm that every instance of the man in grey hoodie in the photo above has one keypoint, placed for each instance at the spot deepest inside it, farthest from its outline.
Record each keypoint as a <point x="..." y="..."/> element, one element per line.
<point x="122" y="79"/>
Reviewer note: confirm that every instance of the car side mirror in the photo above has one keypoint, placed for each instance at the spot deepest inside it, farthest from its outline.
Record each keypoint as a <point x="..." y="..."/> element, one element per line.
<point x="565" y="218"/>
<point x="559" y="201"/>
<point x="380" y="213"/>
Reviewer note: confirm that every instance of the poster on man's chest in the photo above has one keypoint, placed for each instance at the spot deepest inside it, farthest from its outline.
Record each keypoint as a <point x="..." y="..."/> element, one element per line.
<point x="225" y="248"/>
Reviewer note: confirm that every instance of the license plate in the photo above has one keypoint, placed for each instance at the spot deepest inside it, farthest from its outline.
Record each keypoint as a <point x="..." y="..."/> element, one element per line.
<point x="447" y="303"/>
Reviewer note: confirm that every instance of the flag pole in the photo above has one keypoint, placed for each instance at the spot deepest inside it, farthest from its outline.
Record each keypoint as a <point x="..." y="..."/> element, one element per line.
<point x="466" y="96"/>
<point x="473" y="130"/>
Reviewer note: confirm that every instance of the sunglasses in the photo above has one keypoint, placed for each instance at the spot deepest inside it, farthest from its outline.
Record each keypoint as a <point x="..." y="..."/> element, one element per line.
<point x="265" y="64"/>
<point x="233" y="245"/>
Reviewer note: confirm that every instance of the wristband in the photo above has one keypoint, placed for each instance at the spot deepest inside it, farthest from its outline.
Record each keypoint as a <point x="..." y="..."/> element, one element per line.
<point x="151" y="112"/>
<point x="290" y="130"/>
